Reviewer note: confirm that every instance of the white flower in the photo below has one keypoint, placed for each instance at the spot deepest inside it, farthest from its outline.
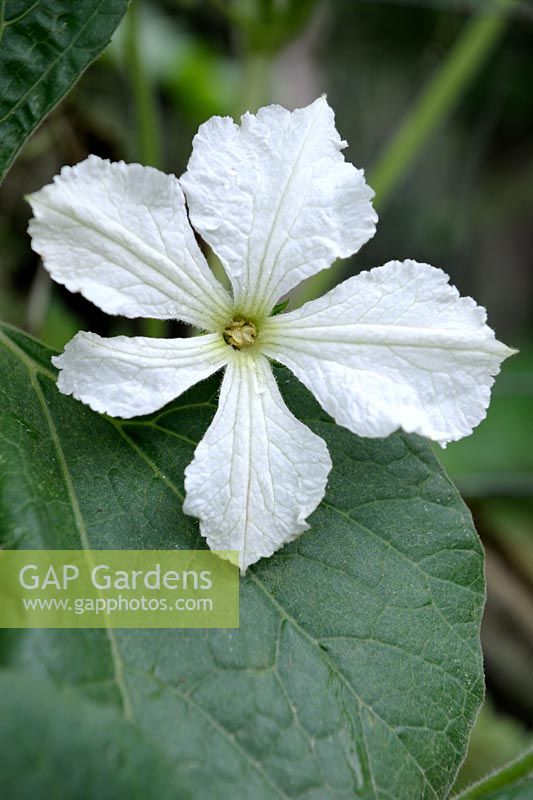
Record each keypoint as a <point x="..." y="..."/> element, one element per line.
<point x="392" y="348"/>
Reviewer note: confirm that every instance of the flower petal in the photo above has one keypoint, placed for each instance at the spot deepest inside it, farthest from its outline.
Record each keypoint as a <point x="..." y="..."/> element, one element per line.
<point x="258" y="472"/>
<point x="396" y="347"/>
<point x="275" y="199"/>
<point x="126" y="376"/>
<point x="119" y="234"/>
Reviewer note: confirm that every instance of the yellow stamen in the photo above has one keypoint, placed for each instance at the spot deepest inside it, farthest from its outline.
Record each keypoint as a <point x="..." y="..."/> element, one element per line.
<point x="240" y="333"/>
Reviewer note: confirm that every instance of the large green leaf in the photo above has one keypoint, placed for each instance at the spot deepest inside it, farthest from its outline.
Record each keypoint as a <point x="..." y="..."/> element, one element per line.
<point x="44" y="47"/>
<point x="356" y="671"/>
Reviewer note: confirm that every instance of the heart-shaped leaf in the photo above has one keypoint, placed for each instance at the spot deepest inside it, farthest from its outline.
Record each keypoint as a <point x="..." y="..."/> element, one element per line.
<point x="356" y="671"/>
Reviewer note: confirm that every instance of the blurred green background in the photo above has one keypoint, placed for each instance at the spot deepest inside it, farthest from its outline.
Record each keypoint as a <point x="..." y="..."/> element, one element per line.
<point x="435" y="98"/>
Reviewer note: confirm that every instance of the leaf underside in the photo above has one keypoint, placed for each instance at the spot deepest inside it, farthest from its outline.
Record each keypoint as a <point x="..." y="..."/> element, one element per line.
<point x="44" y="47"/>
<point x="356" y="671"/>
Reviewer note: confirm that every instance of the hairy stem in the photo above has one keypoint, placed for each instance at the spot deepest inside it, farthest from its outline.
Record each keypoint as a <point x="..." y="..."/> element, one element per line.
<point x="507" y="776"/>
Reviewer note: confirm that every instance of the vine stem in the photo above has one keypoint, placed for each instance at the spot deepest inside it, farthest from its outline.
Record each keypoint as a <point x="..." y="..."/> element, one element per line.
<point x="506" y="777"/>
<point x="147" y="144"/>
<point x="472" y="48"/>
<point x="470" y="51"/>
<point x="148" y="149"/>
<point x="255" y="89"/>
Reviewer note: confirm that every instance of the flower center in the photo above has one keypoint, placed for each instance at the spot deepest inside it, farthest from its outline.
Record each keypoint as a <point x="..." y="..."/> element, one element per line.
<point x="240" y="333"/>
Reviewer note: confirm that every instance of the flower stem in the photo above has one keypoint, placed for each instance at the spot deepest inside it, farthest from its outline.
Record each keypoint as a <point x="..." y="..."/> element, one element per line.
<point x="507" y="776"/>
<point x="473" y="46"/>
<point x="147" y="142"/>
<point x="147" y="149"/>
<point x="255" y="87"/>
